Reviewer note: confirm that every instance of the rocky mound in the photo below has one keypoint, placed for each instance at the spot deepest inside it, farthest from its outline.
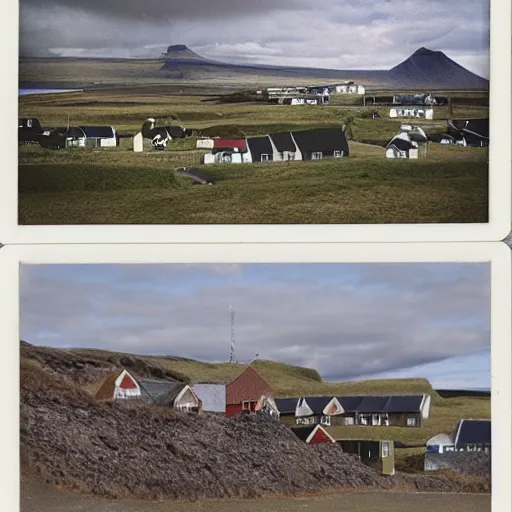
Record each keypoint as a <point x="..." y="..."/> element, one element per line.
<point x="124" y="449"/>
<point x="427" y="68"/>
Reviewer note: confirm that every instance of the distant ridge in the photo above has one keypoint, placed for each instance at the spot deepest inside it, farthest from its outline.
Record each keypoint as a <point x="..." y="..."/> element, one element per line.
<point x="423" y="69"/>
<point x="427" y="68"/>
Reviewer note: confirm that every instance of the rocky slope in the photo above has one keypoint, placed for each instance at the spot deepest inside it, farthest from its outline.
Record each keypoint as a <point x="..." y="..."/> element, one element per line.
<point x="128" y="450"/>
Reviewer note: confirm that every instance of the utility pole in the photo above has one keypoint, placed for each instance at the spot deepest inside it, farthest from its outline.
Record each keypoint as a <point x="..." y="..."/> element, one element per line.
<point x="232" y="359"/>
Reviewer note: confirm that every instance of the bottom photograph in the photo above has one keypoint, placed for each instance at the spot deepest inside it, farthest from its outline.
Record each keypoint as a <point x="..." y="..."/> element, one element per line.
<point x="228" y="387"/>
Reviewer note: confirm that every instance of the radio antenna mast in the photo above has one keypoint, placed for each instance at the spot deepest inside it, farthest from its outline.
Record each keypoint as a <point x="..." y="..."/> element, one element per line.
<point x="232" y="359"/>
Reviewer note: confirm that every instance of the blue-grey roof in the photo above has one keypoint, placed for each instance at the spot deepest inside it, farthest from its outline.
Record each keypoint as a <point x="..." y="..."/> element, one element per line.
<point x="161" y="392"/>
<point x="100" y="132"/>
<point x="411" y="403"/>
<point x="213" y="396"/>
<point x="318" y="403"/>
<point x="286" y="405"/>
<point x="350" y="403"/>
<point x="473" y="432"/>
<point x="381" y="404"/>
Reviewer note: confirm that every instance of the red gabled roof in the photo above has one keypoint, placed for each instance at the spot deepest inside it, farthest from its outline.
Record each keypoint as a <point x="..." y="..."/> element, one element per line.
<point x="229" y="143"/>
<point x="249" y="385"/>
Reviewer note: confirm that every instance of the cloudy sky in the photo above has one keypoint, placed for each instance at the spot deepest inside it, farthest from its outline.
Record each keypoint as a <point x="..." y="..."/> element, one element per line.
<point x="349" y="321"/>
<point x="337" y="34"/>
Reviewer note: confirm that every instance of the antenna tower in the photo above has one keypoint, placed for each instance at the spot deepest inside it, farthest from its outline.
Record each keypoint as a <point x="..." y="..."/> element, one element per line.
<point x="232" y="352"/>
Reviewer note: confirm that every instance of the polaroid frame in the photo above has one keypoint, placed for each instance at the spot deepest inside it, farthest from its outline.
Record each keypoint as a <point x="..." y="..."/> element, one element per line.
<point x="498" y="254"/>
<point x="500" y="183"/>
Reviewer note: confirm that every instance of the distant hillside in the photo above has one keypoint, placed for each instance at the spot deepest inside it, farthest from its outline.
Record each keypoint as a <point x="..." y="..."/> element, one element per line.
<point x="427" y="68"/>
<point x="424" y="68"/>
<point x="87" y="366"/>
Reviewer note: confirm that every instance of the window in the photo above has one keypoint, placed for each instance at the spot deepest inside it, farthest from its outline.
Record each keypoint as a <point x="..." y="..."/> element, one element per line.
<point x="29" y="123"/>
<point x="385" y="449"/>
<point x="246" y="405"/>
<point x="349" y="421"/>
<point x="411" y="422"/>
<point x="338" y="153"/>
<point x="305" y="421"/>
<point x="316" y="156"/>
<point x="266" y="157"/>
<point x="325" y="420"/>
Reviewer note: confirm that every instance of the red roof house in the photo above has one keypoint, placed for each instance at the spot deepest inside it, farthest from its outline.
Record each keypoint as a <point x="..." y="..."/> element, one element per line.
<point x="118" y="385"/>
<point x="313" y="435"/>
<point x="245" y="392"/>
<point x="239" y="144"/>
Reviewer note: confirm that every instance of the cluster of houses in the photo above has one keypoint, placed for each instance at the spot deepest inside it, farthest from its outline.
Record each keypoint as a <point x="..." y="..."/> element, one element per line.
<point x="283" y="146"/>
<point x="311" y="418"/>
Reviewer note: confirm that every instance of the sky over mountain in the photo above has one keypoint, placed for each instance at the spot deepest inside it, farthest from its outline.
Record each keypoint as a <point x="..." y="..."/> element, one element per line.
<point x="348" y="34"/>
<point x="348" y="321"/>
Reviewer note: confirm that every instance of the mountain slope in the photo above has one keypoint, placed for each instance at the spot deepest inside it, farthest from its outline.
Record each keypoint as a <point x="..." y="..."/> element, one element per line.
<point x="427" y="68"/>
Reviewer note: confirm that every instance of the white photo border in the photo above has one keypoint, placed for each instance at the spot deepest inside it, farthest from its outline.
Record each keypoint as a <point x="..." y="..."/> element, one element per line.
<point x="500" y="182"/>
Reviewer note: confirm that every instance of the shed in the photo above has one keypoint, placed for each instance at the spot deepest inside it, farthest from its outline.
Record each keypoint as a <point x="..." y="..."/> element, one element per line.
<point x="118" y="385"/>
<point x="380" y="455"/>
<point x="212" y="396"/>
<point x="261" y="149"/>
<point x="171" y="393"/>
<point x="321" y="142"/>
<point x="313" y="434"/>
<point x="244" y="392"/>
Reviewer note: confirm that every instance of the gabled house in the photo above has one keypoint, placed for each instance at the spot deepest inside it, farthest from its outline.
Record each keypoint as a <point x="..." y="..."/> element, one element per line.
<point x="321" y="143"/>
<point x="468" y="436"/>
<point x="284" y="146"/>
<point x="225" y="150"/>
<point x="212" y="396"/>
<point x="100" y="136"/>
<point x="119" y="385"/>
<point x="245" y="392"/>
<point x="475" y="132"/>
<point x="313" y="434"/>
<point x="261" y="149"/>
<point x="401" y="146"/>
<point x="29" y="130"/>
<point x="314" y="410"/>
<point x="287" y="408"/>
<point x="177" y="395"/>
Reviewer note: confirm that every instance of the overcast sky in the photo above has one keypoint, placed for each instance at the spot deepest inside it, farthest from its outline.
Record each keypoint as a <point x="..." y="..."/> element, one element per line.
<point x="337" y="34"/>
<point x="347" y="321"/>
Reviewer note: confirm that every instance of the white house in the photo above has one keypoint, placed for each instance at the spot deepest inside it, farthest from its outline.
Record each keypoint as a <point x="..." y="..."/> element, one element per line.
<point x="350" y="89"/>
<point x="401" y="146"/>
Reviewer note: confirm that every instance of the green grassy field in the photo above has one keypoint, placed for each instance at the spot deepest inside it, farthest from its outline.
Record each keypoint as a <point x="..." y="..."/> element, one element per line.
<point x="117" y="186"/>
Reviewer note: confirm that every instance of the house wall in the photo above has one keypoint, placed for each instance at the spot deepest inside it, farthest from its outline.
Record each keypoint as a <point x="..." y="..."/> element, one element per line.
<point x="320" y="437"/>
<point x="108" y="143"/>
<point x="400" y="420"/>
<point x="287" y="419"/>
<point x="187" y="400"/>
<point x="126" y="387"/>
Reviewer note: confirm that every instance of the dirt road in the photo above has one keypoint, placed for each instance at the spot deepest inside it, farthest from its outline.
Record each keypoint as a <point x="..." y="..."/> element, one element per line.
<point x="37" y="496"/>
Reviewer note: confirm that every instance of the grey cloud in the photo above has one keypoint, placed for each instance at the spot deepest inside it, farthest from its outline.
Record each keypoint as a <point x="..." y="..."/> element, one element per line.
<point x="336" y="328"/>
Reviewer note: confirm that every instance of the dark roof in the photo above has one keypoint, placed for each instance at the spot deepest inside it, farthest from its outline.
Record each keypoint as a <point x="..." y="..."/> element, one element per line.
<point x="473" y="432"/>
<point x="286" y="405"/>
<point x="318" y="403"/>
<point x="259" y="146"/>
<point x="176" y="132"/>
<point x="411" y="403"/>
<point x="350" y="403"/>
<point x="401" y="144"/>
<point x="161" y="392"/>
<point x="373" y="404"/>
<point x="98" y="132"/>
<point x="321" y="140"/>
<point x="303" y="432"/>
<point x="283" y="141"/>
<point x="477" y="126"/>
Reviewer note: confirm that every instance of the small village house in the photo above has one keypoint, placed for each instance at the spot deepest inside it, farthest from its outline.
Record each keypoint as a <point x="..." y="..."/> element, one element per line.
<point x="261" y="149"/>
<point x="418" y="113"/>
<point x="287" y="408"/>
<point x="474" y="132"/>
<point x="284" y="146"/>
<point x="469" y="436"/>
<point x="401" y="146"/>
<point x="313" y="434"/>
<point x="212" y="396"/>
<point x="177" y="395"/>
<point x="245" y="392"/>
<point x="317" y="410"/>
<point x="100" y="136"/>
<point x="119" y="385"/>
<point x="350" y="88"/>
<point x="379" y="455"/>
<point x="320" y="143"/>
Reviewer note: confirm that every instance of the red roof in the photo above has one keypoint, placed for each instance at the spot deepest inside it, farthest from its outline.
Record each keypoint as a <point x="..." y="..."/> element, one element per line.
<point x="229" y="143"/>
<point x="249" y="385"/>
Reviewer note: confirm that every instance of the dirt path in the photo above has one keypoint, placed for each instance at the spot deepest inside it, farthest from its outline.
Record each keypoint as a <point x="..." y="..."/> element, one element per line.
<point x="37" y="496"/>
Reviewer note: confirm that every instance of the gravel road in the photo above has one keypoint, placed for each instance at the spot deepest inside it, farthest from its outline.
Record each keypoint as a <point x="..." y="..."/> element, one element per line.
<point x="37" y="496"/>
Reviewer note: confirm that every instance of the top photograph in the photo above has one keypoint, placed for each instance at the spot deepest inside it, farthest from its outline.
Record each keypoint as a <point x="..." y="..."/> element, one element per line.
<point x="257" y="113"/>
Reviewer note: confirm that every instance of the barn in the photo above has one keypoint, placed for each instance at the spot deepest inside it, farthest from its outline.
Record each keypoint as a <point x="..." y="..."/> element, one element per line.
<point x="177" y="395"/>
<point x="401" y="146"/>
<point x="245" y="392"/>
<point x="212" y="396"/>
<point x="321" y="143"/>
<point x="119" y="385"/>
<point x="313" y="434"/>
